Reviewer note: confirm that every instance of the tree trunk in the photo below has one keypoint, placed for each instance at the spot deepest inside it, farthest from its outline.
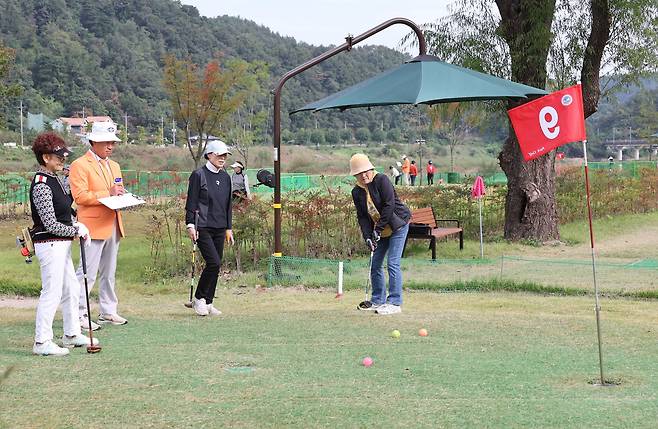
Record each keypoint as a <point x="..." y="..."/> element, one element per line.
<point x="530" y="208"/>
<point x="598" y="38"/>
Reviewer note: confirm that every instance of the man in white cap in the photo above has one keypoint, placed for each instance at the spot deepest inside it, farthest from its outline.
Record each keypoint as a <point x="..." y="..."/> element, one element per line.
<point x="240" y="182"/>
<point x="94" y="176"/>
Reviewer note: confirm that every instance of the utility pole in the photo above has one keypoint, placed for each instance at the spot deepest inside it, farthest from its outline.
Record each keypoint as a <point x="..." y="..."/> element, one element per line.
<point x="420" y="161"/>
<point x="21" y="109"/>
<point x="162" y="130"/>
<point x="173" y="131"/>
<point x="125" y="127"/>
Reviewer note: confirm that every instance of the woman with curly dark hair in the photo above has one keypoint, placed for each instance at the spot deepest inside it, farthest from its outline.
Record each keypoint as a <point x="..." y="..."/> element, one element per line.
<point x="53" y="234"/>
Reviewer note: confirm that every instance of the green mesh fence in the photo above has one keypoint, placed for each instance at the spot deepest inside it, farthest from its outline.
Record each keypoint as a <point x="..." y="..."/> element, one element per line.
<point x="614" y="276"/>
<point x="154" y="185"/>
<point x="628" y="168"/>
<point x="307" y="272"/>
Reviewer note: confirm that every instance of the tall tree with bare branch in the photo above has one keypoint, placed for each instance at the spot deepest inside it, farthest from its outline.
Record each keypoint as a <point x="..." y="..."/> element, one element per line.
<point x="203" y="101"/>
<point x="547" y="44"/>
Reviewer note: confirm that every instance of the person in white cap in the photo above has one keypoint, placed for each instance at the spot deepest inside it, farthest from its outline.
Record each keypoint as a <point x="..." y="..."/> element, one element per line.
<point x="384" y="222"/>
<point x="94" y="176"/>
<point x="208" y="215"/>
<point x="240" y="182"/>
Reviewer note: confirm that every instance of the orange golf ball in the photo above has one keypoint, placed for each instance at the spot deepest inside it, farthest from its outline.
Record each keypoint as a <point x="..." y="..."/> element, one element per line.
<point x="423" y="332"/>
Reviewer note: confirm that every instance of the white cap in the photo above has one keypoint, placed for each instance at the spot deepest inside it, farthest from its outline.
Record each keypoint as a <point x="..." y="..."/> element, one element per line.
<point x="237" y="164"/>
<point x="103" y="132"/>
<point x="217" y="147"/>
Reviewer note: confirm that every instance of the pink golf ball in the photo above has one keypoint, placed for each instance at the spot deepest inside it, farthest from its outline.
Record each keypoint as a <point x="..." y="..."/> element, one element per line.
<point x="367" y="362"/>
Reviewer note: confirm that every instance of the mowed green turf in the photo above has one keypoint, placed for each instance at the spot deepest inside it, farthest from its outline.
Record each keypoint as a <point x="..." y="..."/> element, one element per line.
<point x="292" y="358"/>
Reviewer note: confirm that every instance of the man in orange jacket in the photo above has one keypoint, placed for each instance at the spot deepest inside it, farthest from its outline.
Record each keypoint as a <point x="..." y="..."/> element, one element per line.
<point x="406" y="167"/>
<point x="94" y="176"/>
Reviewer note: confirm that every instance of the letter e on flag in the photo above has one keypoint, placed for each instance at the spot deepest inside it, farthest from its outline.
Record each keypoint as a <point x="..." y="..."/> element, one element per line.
<point x="548" y="122"/>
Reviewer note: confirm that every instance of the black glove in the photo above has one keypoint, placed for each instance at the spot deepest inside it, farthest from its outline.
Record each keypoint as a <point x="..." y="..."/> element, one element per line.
<point x="371" y="242"/>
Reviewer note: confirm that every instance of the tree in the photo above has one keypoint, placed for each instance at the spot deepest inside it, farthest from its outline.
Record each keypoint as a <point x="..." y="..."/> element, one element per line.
<point x="544" y="43"/>
<point x="7" y="90"/>
<point x="378" y="135"/>
<point x="453" y="122"/>
<point x="202" y="101"/>
<point x="317" y="137"/>
<point x="394" y="135"/>
<point x="250" y="120"/>
<point x="346" y="135"/>
<point x="362" y="135"/>
<point x="332" y="136"/>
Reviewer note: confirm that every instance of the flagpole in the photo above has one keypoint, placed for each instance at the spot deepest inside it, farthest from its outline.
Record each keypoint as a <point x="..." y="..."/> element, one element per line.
<point x="481" y="239"/>
<point x="597" y="308"/>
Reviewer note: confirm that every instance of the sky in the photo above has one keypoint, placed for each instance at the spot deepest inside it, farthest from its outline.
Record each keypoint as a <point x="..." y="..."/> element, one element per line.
<point x="327" y="22"/>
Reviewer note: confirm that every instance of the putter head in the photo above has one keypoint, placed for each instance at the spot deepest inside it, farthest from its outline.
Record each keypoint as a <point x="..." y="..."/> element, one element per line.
<point x="364" y="305"/>
<point x="188" y="304"/>
<point x="94" y="349"/>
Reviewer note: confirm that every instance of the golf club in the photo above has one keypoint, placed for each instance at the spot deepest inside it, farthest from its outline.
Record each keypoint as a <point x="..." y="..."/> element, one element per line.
<point x="189" y="303"/>
<point x="366" y="303"/>
<point x="91" y="348"/>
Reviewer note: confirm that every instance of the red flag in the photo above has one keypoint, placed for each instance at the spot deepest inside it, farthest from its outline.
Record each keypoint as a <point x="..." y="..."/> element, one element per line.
<point x="548" y="122"/>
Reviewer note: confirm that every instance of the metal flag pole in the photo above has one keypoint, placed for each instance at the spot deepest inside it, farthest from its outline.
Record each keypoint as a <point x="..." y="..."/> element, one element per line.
<point x="481" y="239"/>
<point x="597" y="308"/>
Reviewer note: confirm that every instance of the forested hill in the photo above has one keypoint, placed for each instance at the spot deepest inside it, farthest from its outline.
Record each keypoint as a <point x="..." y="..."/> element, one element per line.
<point x="107" y="56"/>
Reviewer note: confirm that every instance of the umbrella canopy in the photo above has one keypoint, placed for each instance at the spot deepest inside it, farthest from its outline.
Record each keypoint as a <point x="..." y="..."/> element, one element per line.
<point x="424" y="80"/>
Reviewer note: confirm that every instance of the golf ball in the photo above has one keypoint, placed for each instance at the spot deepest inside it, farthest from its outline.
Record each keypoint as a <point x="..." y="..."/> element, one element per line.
<point x="395" y="333"/>
<point x="423" y="332"/>
<point x="367" y="361"/>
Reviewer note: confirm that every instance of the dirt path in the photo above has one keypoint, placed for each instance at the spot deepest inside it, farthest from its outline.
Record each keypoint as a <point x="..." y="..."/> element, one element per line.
<point x="18" y="302"/>
<point x="638" y="242"/>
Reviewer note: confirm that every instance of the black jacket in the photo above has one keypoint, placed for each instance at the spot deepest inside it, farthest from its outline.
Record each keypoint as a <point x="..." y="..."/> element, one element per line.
<point x="391" y="210"/>
<point x="209" y="194"/>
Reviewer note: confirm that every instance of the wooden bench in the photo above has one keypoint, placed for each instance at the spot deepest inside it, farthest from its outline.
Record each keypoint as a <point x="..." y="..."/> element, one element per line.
<point x="425" y="226"/>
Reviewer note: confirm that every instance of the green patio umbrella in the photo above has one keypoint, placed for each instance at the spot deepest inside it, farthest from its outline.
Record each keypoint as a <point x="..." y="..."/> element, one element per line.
<point x="424" y="80"/>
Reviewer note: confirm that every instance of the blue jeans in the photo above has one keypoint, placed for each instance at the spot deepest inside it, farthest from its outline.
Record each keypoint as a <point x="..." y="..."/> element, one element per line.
<point x="394" y="246"/>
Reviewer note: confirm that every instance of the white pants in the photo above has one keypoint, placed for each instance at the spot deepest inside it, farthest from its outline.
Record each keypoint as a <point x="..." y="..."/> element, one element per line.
<point x="101" y="257"/>
<point x="58" y="285"/>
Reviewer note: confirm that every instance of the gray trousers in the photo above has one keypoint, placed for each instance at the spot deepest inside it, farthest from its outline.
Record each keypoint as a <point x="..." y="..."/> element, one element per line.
<point x="101" y="258"/>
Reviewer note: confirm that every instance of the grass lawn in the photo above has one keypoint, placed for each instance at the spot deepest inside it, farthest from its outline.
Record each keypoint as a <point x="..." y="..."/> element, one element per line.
<point x="287" y="358"/>
<point x="291" y="357"/>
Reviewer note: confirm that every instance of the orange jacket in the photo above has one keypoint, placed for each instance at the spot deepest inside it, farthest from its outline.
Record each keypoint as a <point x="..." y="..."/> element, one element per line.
<point x="89" y="182"/>
<point x="406" y="164"/>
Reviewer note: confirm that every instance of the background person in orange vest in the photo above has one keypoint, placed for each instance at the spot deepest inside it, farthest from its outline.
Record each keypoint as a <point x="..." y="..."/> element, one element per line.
<point x="413" y="172"/>
<point x="95" y="176"/>
<point x="406" y="166"/>
<point x="430" y="172"/>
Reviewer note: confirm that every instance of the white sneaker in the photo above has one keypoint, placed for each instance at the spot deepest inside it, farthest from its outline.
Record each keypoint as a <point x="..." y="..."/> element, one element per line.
<point x="84" y="324"/>
<point x="389" y="309"/>
<point x="200" y="306"/>
<point x="113" y="319"/>
<point x="49" y="348"/>
<point x="77" y="341"/>
<point x="213" y="311"/>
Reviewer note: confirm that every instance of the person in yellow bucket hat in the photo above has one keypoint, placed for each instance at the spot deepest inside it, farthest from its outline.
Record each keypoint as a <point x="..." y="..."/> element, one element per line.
<point x="384" y="222"/>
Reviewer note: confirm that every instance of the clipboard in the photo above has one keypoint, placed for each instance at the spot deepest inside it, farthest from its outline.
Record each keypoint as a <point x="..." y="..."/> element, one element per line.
<point x="121" y="201"/>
